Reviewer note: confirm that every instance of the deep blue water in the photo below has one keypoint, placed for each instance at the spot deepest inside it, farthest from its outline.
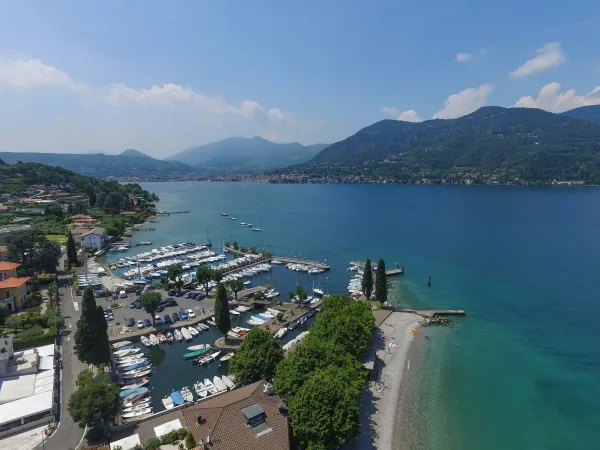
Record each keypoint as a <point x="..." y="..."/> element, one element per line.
<point x="522" y="370"/>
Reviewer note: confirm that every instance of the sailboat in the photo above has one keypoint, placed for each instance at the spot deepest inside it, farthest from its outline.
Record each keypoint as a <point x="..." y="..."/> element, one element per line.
<point x="256" y="227"/>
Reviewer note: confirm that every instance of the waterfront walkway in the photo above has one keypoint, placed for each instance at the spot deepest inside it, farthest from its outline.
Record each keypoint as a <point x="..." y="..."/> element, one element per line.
<point x="286" y="259"/>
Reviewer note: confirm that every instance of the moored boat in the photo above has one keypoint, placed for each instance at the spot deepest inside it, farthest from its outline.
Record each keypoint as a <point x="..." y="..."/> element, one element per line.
<point x="168" y="402"/>
<point x="228" y="382"/>
<point x="136" y="385"/>
<point x="227" y="357"/>
<point x="141" y="412"/>
<point x="193" y="331"/>
<point x="133" y="394"/>
<point x="200" y="389"/>
<point x="153" y="339"/>
<point x="280" y="333"/>
<point x="144" y="340"/>
<point x="186" y="334"/>
<point x="178" y="335"/>
<point x="210" y="387"/>
<point x="198" y="347"/>
<point x="219" y="384"/>
<point x="169" y="337"/>
<point x="162" y="338"/>
<point x="195" y="353"/>
<point x="118" y="345"/>
<point x="187" y="394"/>
<point x="177" y="398"/>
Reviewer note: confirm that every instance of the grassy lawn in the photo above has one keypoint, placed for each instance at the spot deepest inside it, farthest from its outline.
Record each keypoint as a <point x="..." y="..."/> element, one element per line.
<point x="58" y="238"/>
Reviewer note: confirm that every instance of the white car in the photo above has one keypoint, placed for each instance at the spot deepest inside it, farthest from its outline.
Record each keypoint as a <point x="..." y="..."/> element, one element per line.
<point x="191" y="314"/>
<point x="140" y="324"/>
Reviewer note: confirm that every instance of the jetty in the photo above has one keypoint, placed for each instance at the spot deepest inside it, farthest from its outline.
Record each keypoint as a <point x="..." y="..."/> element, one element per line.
<point x="168" y="213"/>
<point x="388" y="272"/>
<point x="285" y="259"/>
<point x="436" y="312"/>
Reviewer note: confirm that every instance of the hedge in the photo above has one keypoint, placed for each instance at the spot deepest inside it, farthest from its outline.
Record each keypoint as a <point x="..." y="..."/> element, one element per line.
<point x="45" y="278"/>
<point x="44" y="339"/>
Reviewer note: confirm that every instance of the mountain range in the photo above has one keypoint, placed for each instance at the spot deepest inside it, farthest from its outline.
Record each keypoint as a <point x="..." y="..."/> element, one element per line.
<point x="238" y="154"/>
<point x="491" y="144"/>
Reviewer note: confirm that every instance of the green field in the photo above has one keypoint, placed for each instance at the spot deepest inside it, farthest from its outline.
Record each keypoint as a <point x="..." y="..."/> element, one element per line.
<point x="59" y="238"/>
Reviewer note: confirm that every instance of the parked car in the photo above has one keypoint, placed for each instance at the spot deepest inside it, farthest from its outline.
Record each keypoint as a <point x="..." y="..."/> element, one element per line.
<point x="178" y="294"/>
<point x="130" y="322"/>
<point x="175" y="317"/>
<point x="115" y="296"/>
<point x="182" y="314"/>
<point x="123" y="294"/>
<point x="188" y="294"/>
<point x="172" y="292"/>
<point x="167" y="318"/>
<point x="171" y="302"/>
<point x="147" y="323"/>
<point x="157" y="320"/>
<point x="132" y="305"/>
<point x="140" y="324"/>
<point x="191" y="314"/>
<point x="160" y="308"/>
<point x="138" y="305"/>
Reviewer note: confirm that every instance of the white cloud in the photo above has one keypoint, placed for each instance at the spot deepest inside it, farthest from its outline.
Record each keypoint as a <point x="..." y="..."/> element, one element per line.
<point x="465" y="102"/>
<point x="549" y="56"/>
<point x="408" y="116"/>
<point x="34" y="74"/>
<point x="551" y="99"/>
<point x="463" y="57"/>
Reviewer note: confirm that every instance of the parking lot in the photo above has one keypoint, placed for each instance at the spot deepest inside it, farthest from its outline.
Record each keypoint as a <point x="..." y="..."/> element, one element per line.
<point x="121" y="314"/>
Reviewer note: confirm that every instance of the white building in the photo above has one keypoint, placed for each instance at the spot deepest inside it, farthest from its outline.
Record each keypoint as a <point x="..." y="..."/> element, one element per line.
<point x="95" y="238"/>
<point x="27" y="387"/>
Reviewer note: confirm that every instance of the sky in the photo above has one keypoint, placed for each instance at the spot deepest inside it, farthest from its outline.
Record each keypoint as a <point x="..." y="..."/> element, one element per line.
<point x="80" y="76"/>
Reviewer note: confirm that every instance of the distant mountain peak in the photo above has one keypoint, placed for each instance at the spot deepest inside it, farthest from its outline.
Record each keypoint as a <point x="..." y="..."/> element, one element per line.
<point x="134" y="152"/>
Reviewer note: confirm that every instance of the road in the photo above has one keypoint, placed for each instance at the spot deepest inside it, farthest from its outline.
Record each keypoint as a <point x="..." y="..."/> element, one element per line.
<point x="68" y="435"/>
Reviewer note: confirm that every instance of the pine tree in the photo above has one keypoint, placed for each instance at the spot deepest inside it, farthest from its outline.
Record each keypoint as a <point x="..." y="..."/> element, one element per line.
<point x="71" y="250"/>
<point x="381" y="282"/>
<point x="91" y="339"/>
<point x="222" y="318"/>
<point x="367" y="279"/>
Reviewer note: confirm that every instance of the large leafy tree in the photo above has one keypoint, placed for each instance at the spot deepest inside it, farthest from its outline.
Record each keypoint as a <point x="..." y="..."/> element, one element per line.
<point x="175" y="273"/>
<point x="150" y="301"/>
<point x="257" y="357"/>
<point x="367" y="279"/>
<point x="14" y="322"/>
<point x="91" y="339"/>
<point x="381" y="282"/>
<point x="314" y="354"/>
<point x="236" y="286"/>
<point x="95" y="401"/>
<point x="203" y="276"/>
<point x="71" y="250"/>
<point x="217" y="275"/>
<point x="33" y="250"/>
<point x="324" y="412"/>
<point x="222" y="318"/>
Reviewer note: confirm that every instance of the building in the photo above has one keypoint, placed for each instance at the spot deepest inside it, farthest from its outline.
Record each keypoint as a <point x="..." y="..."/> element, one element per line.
<point x="27" y="387"/>
<point x="94" y="238"/>
<point x="6" y="231"/>
<point x="243" y="419"/>
<point x="13" y="289"/>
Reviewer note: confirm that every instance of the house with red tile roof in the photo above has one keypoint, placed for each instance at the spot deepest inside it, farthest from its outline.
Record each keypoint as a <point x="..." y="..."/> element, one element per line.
<point x="13" y="289"/>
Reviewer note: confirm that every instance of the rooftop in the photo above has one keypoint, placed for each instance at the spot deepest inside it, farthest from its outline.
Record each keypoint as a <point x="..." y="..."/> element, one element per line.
<point x="13" y="282"/>
<point x="243" y="419"/>
<point x="6" y="265"/>
<point x="95" y="230"/>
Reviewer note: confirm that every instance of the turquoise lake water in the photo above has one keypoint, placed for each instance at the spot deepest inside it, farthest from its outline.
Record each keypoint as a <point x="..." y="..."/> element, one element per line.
<point x="522" y="370"/>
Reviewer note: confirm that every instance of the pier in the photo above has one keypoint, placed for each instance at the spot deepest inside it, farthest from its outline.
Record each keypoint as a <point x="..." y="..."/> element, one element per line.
<point x="436" y="312"/>
<point x="388" y="272"/>
<point x="168" y="213"/>
<point x="286" y="259"/>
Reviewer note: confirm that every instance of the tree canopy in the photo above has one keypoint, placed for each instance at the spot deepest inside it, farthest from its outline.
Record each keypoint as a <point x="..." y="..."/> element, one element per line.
<point x="367" y="279"/>
<point x="236" y="286"/>
<point x="222" y="317"/>
<point x="33" y="250"/>
<point x="175" y="273"/>
<point x="257" y="357"/>
<point x="91" y="339"/>
<point x="150" y="301"/>
<point x="381" y="282"/>
<point x="203" y="276"/>
<point x="95" y="401"/>
<point x="71" y="250"/>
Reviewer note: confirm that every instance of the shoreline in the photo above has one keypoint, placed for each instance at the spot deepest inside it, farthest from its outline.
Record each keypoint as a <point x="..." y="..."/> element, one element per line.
<point x="379" y="405"/>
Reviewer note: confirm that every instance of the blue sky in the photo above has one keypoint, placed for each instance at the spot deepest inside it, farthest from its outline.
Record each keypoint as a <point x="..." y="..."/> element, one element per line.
<point x="161" y="76"/>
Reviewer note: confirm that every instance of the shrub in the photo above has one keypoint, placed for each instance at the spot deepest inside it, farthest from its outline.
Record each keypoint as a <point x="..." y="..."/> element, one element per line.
<point x="173" y="436"/>
<point x="152" y="444"/>
<point x="95" y="434"/>
<point x="31" y="332"/>
<point x="45" y="278"/>
<point x="279" y="316"/>
<point x="190" y="443"/>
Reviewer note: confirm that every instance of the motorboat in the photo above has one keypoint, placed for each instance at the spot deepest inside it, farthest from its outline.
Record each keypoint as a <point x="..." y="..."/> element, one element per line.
<point x="193" y="331"/>
<point x="162" y="338"/>
<point x="186" y="334"/>
<point x="242" y="309"/>
<point x="195" y="354"/>
<point x="210" y="387"/>
<point x="168" y="402"/>
<point x="133" y="394"/>
<point x="144" y="340"/>
<point x="234" y="312"/>
<point x="318" y="291"/>
<point x="141" y="412"/>
<point x="240" y="331"/>
<point x="137" y="373"/>
<point x="177" y="398"/>
<point x="211" y="322"/>
<point x="154" y="341"/>
<point x="135" y="366"/>
<point x="209" y="358"/>
<point x="203" y="327"/>
<point x="141" y="401"/>
<point x="276" y="262"/>
<point x="118" y="345"/>
<point x="187" y="394"/>
<point x="169" y="337"/>
<point x="219" y="384"/>
<point x="136" y="408"/>
<point x="198" y="347"/>
<point x="227" y="357"/>
<point x="200" y="389"/>
<point x="127" y="352"/>
<point x="178" y="335"/>
<point x="280" y="333"/>
<point x="228" y="382"/>
<point x="129" y="362"/>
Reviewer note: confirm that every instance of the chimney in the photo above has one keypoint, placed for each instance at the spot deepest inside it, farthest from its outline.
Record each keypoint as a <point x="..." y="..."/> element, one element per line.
<point x="199" y="417"/>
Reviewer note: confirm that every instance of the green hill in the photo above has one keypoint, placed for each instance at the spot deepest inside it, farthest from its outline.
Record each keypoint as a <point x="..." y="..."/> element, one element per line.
<point x="130" y="163"/>
<point x="238" y="154"/>
<point x="491" y="144"/>
<point x="591" y="113"/>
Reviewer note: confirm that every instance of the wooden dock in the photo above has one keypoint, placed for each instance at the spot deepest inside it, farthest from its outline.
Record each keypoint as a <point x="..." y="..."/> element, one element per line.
<point x="286" y="259"/>
<point x="388" y="272"/>
<point x="436" y="312"/>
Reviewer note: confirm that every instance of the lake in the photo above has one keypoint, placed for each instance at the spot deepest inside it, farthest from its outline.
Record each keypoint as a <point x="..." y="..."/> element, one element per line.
<point x="522" y="370"/>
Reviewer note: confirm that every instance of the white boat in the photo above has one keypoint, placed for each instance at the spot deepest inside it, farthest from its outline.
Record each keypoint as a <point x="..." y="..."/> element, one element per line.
<point x="168" y="402"/>
<point x="130" y="362"/>
<point x="178" y="335"/>
<point x="211" y="322"/>
<point x="234" y="312"/>
<point x="230" y="384"/>
<point x="193" y="348"/>
<point x="219" y="385"/>
<point x="242" y="309"/>
<point x="144" y="340"/>
<point x="186" y="334"/>
<point x="141" y="412"/>
<point x="203" y="326"/>
<point x="318" y="291"/>
<point x="280" y="333"/>
<point x="193" y="331"/>
<point x="153" y="339"/>
<point x="212" y="390"/>
<point x="118" y="345"/>
<point x="209" y="358"/>
<point x="200" y="389"/>
<point x="290" y="344"/>
<point x="137" y="373"/>
<point x="276" y="261"/>
<point x="227" y="357"/>
<point x="127" y="352"/>
<point x="142" y="401"/>
<point x="136" y="408"/>
<point x="187" y="394"/>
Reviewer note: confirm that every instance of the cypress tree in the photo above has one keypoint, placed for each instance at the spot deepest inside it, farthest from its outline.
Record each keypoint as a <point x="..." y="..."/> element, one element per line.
<point x="71" y="250"/>
<point x="91" y="339"/>
<point x="222" y="318"/>
<point x="367" y="279"/>
<point x="381" y="282"/>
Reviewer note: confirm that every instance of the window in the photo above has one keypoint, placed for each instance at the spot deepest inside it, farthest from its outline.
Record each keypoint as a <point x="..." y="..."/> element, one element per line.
<point x="7" y="294"/>
<point x="36" y="417"/>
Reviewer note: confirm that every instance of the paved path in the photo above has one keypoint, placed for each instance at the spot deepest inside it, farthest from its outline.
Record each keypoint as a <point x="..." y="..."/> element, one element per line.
<point x="68" y="435"/>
